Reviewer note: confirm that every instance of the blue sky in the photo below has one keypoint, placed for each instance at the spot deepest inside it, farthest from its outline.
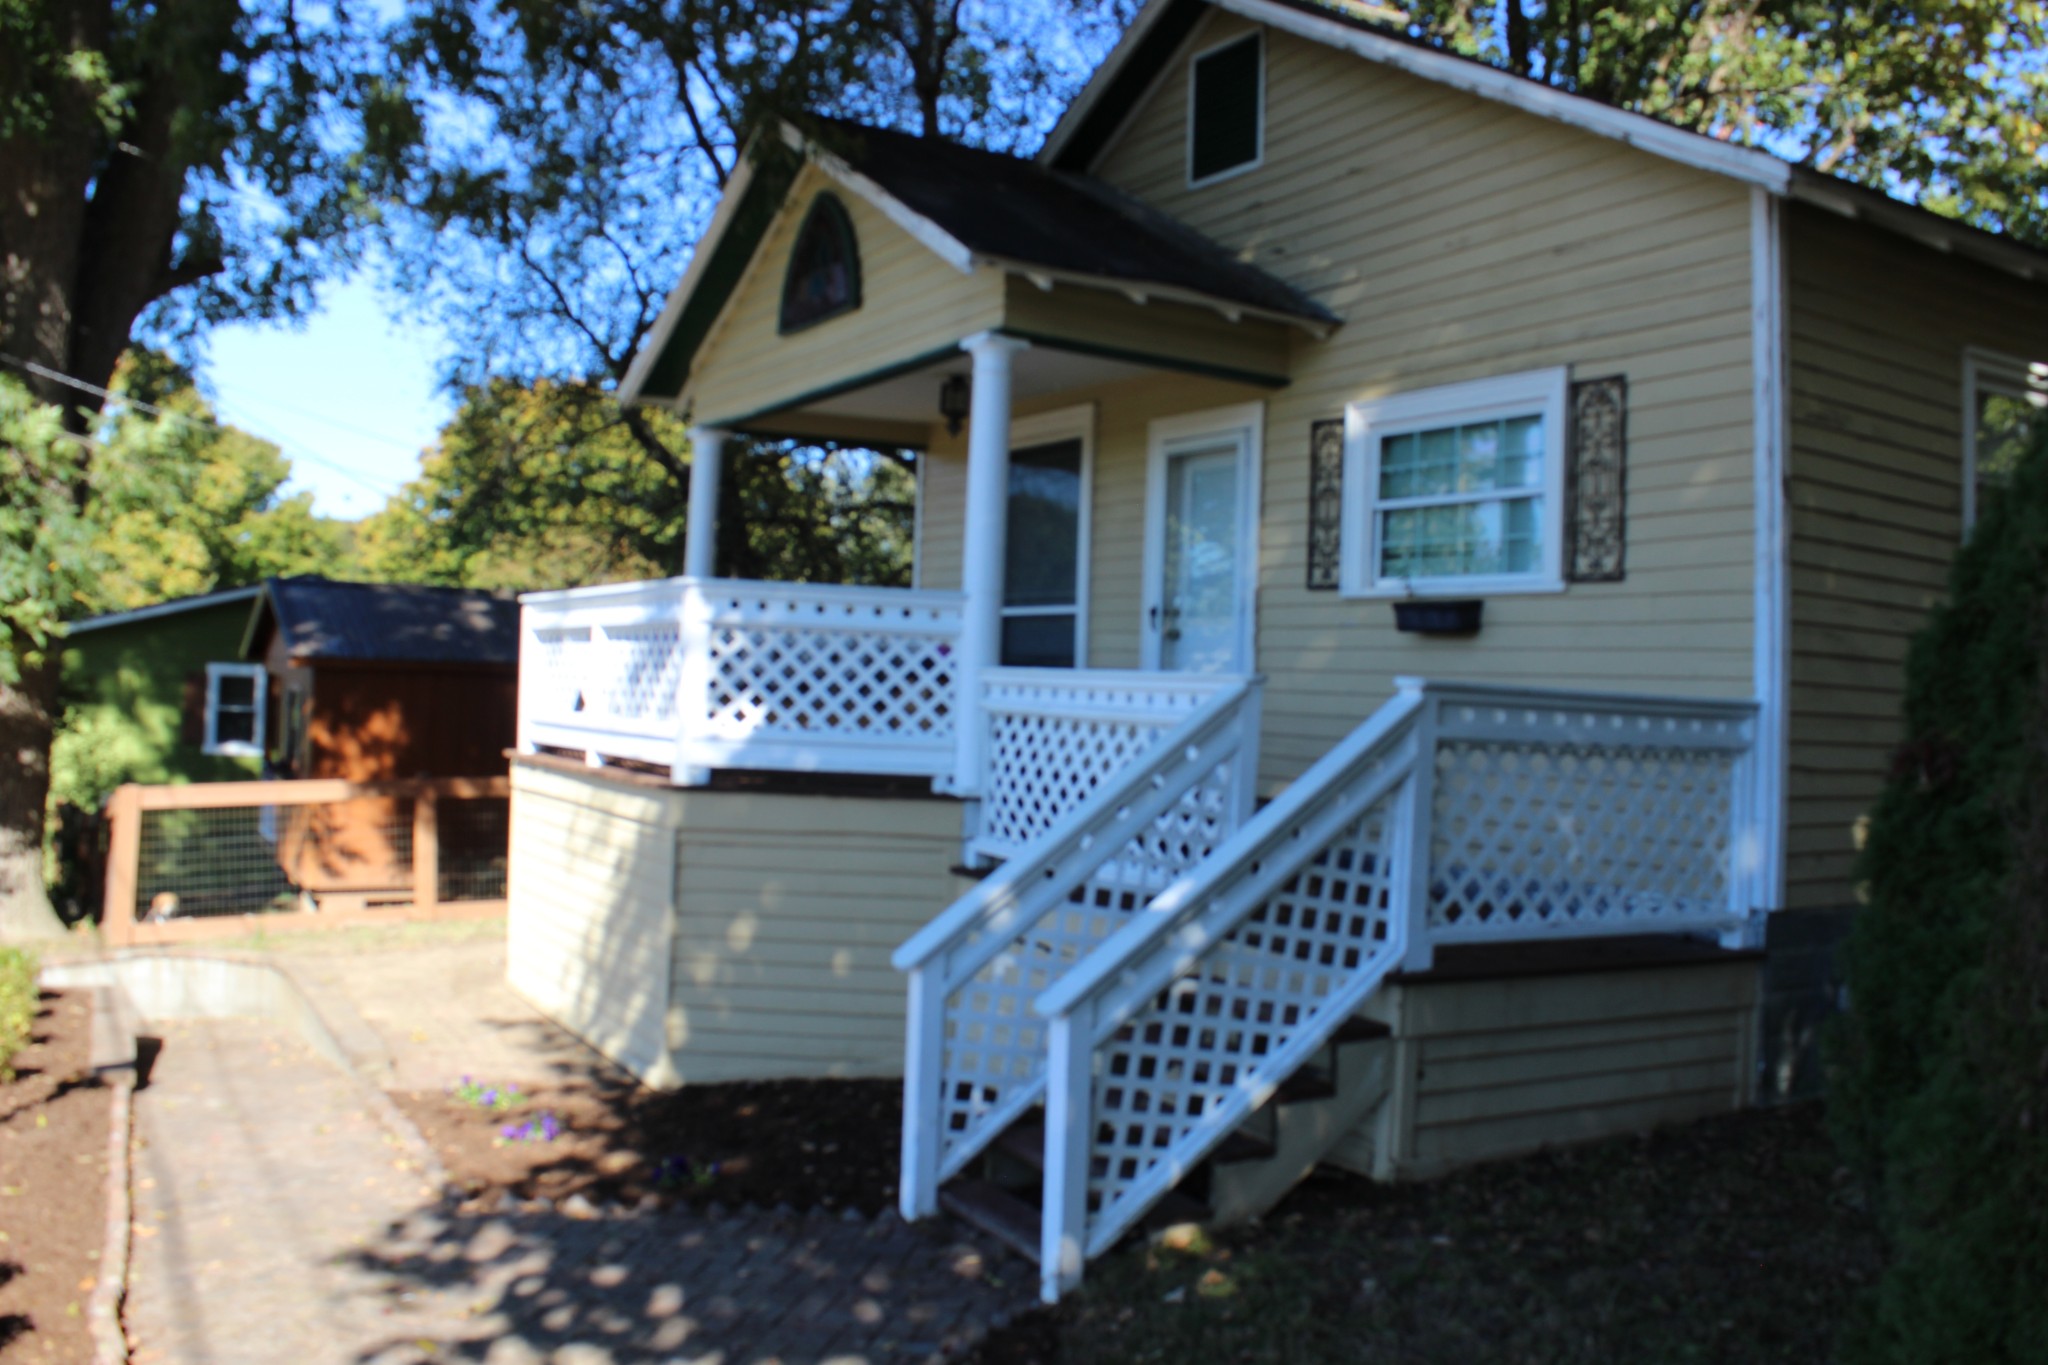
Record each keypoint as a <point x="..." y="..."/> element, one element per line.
<point x="349" y="396"/>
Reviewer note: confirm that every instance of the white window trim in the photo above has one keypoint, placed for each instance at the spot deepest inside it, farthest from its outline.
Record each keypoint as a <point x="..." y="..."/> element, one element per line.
<point x="233" y="748"/>
<point x="1161" y="436"/>
<point x="1543" y="392"/>
<point x="2000" y="373"/>
<point x="1258" y="37"/>
<point x="1044" y="428"/>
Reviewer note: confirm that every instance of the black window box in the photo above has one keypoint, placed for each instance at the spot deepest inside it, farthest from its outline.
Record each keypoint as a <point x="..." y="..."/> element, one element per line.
<point x="1438" y="617"/>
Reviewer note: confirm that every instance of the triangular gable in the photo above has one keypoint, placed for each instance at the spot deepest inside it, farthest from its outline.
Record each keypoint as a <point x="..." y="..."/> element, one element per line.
<point x="1129" y="75"/>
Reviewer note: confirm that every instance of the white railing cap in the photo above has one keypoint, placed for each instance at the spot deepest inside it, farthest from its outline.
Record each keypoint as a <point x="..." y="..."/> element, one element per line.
<point x="658" y="588"/>
<point x="1456" y="691"/>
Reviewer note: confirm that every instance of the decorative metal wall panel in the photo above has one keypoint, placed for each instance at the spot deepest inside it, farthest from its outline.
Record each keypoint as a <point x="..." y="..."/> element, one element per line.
<point x="1596" y="502"/>
<point x="1325" y="502"/>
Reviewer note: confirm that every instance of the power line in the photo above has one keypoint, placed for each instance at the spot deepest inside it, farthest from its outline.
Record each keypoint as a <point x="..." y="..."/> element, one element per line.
<point x="108" y="395"/>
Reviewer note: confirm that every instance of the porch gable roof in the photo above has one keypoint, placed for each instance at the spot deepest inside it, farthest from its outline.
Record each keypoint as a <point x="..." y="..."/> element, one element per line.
<point x="970" y="208"/>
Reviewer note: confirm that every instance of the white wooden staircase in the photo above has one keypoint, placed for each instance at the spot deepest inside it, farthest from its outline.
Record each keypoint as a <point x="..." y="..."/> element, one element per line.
<point x="1150" y="1011"/>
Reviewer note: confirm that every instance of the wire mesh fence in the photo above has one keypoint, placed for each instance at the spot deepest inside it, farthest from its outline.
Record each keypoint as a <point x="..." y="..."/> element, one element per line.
<point x="203" y="858"/>
<point x="474" y="838"/>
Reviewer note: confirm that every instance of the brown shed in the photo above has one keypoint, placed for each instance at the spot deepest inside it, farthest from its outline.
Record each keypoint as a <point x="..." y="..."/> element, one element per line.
<point x="371" y="682"/>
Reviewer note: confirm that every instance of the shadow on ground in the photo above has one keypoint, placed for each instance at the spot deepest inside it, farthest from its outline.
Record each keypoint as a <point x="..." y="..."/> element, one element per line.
<point x="732" y="1288"/>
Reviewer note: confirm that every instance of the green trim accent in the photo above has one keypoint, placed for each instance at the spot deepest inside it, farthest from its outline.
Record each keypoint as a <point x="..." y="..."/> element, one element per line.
<point x="730" y="254"/>
<point x="1130" y="84"/>
<point x="825" y="214"/>
<point x="837" y="387"/>
<point x="1163" y="362"/>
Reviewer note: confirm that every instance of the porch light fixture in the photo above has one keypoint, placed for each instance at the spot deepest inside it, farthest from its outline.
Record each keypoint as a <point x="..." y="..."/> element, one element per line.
<point x="953" y="402"/>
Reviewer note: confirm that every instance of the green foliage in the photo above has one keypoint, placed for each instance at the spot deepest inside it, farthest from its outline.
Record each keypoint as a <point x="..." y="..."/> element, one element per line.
<point x="549" y="486"/>
<point x="1937" y="1088"/>
<point x="1940" y="102"/>
<point x="50" y="559"/>
<point x="18" y="997"/>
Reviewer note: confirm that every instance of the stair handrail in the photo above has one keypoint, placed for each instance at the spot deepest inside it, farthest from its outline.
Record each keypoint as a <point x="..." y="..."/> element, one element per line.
<point x="1160" y="944"/>
<point x="985" y="922"/>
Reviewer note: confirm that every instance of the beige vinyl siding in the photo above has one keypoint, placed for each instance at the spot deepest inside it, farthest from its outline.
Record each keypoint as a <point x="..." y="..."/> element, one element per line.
<point x="1492" y="1068"/>
<point x="912" y="303"/>
<point x="1461" y="239"/>
<point x="1124" y="412"/>
<point x="696" y="935"/>
<point x="587" y="931"/>
<point x="1878" y="327"/>
<point x="788" y="910"/>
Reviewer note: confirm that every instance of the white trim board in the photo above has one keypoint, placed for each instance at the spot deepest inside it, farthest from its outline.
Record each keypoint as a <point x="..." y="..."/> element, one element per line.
<point x="1771" y="614"/>
<point x="1160" y="435"/>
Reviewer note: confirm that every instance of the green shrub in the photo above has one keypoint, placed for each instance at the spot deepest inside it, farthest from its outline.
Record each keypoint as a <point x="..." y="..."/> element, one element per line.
<point x="1939" y="1076"/>
<point x="18" y="994"/>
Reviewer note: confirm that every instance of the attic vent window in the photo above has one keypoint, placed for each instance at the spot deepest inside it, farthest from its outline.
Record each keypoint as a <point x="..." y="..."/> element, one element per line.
<point x="1226" y="109"/>
<point x="824" y="267"/>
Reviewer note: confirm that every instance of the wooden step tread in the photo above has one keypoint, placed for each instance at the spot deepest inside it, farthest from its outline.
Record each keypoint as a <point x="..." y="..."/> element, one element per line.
<point x="995" y="1211"/>
<point x="1024" y="1141"/>
<point x="1358" y="1030"/>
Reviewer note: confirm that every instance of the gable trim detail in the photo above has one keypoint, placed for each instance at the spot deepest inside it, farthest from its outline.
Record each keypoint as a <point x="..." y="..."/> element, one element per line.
<point x="1311" y="22"/>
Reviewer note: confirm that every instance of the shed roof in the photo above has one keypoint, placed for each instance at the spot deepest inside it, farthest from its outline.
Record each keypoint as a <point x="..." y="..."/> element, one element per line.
<point x="176" y="606"/>
<point x="322" y="618"/>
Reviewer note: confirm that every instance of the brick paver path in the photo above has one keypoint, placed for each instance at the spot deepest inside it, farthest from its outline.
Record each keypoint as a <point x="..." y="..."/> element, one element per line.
<point x="277" y="1222"/>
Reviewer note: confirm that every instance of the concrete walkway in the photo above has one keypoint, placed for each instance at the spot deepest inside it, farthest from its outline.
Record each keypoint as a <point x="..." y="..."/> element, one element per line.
<point x="276" y="1220"/>
<point x="438" y="1012"/>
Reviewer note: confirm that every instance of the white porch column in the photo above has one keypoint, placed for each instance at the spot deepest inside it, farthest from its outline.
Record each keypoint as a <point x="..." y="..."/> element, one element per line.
<point x="700" y="539"/>
<point x="981" y="569"/>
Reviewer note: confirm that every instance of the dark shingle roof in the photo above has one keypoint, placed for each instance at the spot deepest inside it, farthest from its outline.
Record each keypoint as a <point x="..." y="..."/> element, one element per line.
<point x="393" y="622"/>
<point x="1005" y="206"/>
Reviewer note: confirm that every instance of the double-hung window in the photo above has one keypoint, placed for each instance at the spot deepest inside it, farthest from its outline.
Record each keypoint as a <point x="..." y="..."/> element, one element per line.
<point x="234" y="710"/>
<point x="2006" y="403"/>
<point x="1458" y="490"/>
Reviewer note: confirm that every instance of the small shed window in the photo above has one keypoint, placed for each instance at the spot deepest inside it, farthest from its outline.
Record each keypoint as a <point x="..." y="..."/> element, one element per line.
<point x="824" y="267"/>
<point x="234" y="710"/>
<point x="1226" y="109"/>
<point x="2007" y="403"/>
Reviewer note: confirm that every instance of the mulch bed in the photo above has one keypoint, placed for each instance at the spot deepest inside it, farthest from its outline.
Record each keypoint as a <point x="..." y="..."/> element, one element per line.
<point x="1737" y="1239"/>
<point x="53" y="1163"/>
<point x="805" y="1144"/>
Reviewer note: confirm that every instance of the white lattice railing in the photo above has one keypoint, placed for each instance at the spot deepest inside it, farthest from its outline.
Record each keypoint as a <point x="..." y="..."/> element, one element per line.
<point x="1454" y="813"/>
<point x="1056" y="734"/>
<point x="976" y="1055"/>
<point x="701" y="674"/>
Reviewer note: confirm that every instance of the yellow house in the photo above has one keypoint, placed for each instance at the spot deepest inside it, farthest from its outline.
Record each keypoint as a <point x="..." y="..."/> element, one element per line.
<point x="1412" y="576"/>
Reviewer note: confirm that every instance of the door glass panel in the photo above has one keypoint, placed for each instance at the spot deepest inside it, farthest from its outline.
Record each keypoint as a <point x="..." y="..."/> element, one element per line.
<point x="1042" y="556"/>
<point x="1199" y="618"/>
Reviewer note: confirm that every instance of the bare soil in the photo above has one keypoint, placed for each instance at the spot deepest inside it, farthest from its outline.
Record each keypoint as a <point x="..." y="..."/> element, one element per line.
<point x="804" y="1144"/>
<point x="53" y="1166"/>
<point x="1734" y="1240"/>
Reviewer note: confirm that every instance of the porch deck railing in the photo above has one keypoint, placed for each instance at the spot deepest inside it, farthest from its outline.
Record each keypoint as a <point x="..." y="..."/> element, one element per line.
<point x="1455" y="814"/>
<point x="695" y="674"/>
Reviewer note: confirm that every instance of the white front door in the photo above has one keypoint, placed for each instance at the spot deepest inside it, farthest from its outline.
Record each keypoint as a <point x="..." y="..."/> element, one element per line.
<point x="1202" y="543"/>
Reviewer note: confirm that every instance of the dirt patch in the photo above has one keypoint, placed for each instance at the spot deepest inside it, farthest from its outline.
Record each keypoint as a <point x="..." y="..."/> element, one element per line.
<point x="806" y="1144"/>
<point x="53" y="1165"/>
<point x="1737" y="1240"/>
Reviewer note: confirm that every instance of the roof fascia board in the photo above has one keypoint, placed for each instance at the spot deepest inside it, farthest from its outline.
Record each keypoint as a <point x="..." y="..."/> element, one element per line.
<point x="656" y="339"/>
<point x="150" y="613"/>
<point x="1917" y="224"/>
<point x="921" y="229"/>
<point x="1745" y="164"/>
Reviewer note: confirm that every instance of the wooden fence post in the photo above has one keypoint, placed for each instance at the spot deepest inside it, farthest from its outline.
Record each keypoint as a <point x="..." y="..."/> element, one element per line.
<point x="426" y="852"/>
<point x="124" y="857"/>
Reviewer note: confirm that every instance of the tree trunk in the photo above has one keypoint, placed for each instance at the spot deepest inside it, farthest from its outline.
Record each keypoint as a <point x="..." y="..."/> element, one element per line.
<point x="28" y="714"/>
